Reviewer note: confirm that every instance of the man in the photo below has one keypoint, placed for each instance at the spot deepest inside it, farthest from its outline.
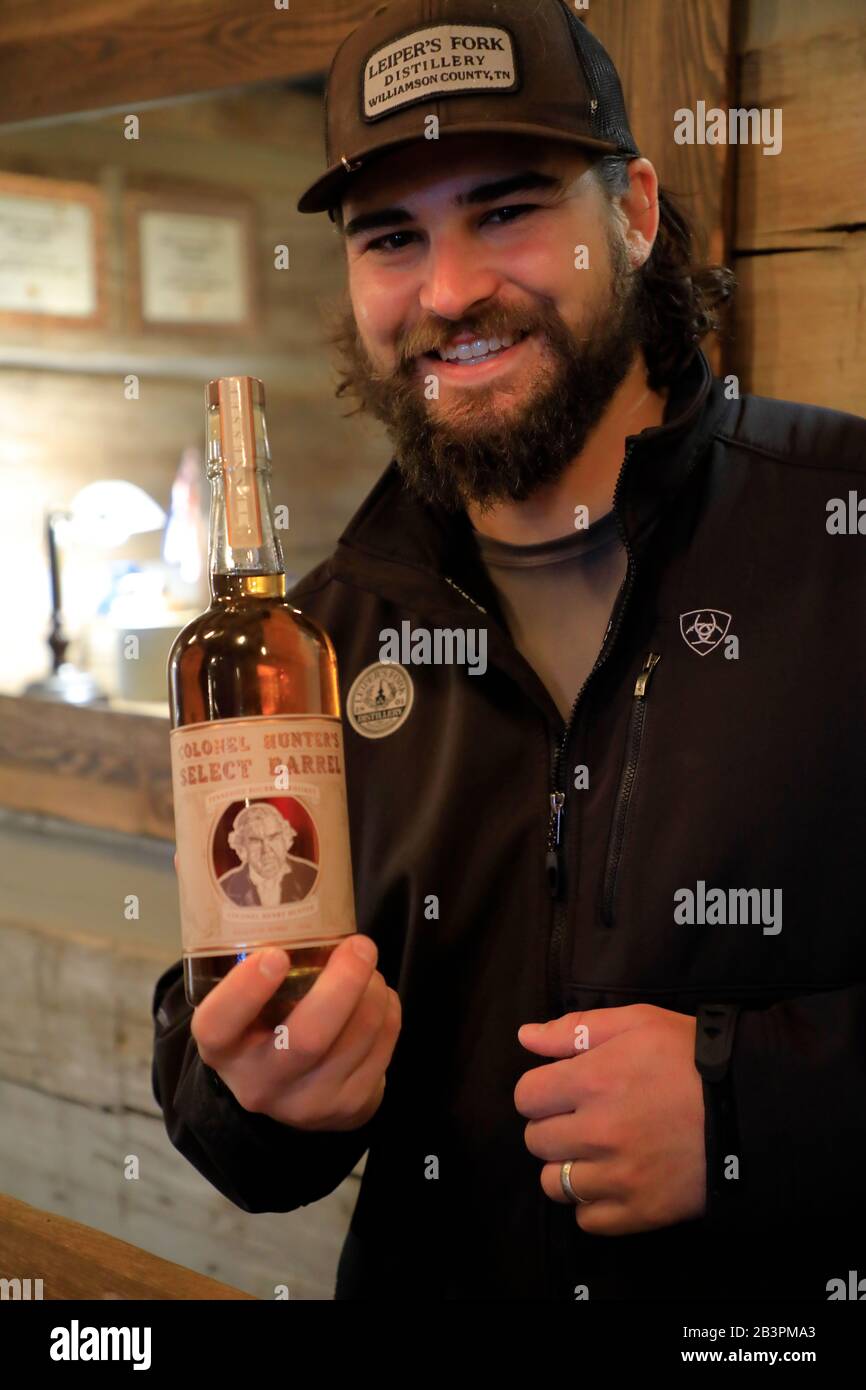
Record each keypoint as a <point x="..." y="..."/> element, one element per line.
<point x="617" y="879"/>
<point x="267" y="874"/>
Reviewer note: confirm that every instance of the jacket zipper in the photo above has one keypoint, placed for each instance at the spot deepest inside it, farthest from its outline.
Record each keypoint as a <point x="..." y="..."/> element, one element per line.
<point x="553" y="861"/>
<point x="556" y="799"/>
<point x="553" y="857"/>
<point x="634" y="738"/>
<point x="449" y="580"/>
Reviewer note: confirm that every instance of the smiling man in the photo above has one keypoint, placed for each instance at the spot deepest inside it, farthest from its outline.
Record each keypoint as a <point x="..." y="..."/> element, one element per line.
<point x="593" y="1094"/>
<point x="489" y="357"/>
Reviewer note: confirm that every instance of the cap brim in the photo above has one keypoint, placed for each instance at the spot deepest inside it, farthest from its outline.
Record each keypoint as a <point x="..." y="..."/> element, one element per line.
<point x="329" y="190"/>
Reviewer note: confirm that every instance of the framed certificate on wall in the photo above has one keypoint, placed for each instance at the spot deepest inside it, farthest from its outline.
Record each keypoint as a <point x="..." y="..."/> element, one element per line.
<point x="52" y="252"/>
<point x="191" y="263"/>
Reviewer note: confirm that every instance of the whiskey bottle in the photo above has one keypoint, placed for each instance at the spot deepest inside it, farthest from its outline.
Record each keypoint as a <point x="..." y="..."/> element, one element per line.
<point x="261" y="816"/>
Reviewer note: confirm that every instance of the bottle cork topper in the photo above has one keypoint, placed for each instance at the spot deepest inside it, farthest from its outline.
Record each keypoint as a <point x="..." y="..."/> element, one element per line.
<point x="238" y="450"/>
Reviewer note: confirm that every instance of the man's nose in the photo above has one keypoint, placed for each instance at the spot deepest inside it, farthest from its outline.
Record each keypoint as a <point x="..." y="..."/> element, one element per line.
<point x="457" y="278"/>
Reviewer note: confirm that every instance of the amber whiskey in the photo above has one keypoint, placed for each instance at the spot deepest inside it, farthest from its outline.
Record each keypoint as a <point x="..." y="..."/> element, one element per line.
<point x="258" y="777"/>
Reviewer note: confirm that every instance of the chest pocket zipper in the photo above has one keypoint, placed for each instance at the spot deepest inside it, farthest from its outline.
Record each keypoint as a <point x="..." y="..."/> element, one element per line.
<point x="619" y="824"/>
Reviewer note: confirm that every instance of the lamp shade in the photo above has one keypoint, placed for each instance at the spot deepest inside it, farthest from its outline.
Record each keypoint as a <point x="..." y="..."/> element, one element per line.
<point x="106" y="513"/>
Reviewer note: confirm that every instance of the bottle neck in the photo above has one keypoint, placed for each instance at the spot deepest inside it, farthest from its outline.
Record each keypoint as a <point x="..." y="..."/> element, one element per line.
<point x="244" y="552"/>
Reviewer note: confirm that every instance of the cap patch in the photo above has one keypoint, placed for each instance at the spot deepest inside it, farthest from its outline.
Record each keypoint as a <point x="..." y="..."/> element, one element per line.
<point x="443" y="60"/>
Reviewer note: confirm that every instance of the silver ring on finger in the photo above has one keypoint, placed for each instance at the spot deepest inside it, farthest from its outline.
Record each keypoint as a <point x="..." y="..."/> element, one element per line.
<point x="565" y="1183"/>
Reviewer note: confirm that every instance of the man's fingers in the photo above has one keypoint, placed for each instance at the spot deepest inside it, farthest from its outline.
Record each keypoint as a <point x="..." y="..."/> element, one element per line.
<point x="356" y="1086"/>
<point x="225" y="1014"/>
<point x="354" y="1045"/>
<point x="577" y="1032"/>
<point x="221" y="1019"/>
<point x="324" y="1012"/>
<point x="379" y="1056"/>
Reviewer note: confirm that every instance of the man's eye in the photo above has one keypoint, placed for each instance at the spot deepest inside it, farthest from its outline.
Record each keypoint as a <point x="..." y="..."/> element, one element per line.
<point x="508" y="214"/>
<point x="379" y="243"/>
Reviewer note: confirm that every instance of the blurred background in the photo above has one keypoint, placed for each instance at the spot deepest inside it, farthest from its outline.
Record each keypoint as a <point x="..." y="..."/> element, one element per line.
<point x="185" y="218"/>
<point x="150" y="161"/>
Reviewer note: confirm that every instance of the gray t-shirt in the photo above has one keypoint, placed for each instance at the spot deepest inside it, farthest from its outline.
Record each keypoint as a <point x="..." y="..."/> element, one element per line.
<point x="557" y="597"/>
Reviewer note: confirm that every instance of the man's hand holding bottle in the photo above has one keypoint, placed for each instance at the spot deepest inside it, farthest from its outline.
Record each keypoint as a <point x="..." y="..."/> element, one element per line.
<point x="341" y="1037"/>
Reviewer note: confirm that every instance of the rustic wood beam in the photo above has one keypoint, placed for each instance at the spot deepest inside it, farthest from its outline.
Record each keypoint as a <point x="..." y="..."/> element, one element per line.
<point x="57" y="58"/>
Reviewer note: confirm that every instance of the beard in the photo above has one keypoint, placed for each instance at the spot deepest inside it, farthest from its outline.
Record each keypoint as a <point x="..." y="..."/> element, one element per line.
<point x="480" y="451"/>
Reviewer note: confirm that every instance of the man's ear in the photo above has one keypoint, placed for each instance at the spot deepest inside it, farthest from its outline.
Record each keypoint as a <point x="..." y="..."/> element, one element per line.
<point x="639" y="209"/>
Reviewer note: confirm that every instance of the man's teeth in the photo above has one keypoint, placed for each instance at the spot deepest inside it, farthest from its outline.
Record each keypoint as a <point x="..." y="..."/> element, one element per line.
<point x="475" y="351"/>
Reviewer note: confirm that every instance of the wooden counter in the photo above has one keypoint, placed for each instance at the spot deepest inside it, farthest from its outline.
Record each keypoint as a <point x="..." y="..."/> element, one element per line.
<point x="75" y="1261"/>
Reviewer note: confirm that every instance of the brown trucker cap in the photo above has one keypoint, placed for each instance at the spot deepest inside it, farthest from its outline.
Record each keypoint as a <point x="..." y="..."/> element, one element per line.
<point x="476" y="65"/>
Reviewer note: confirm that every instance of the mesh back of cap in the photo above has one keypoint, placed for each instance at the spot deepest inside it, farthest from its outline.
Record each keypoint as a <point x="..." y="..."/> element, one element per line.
<point x="610" y="121"/>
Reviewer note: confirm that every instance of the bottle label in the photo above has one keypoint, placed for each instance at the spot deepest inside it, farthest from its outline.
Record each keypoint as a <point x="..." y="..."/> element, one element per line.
<point x="262" y="829"/>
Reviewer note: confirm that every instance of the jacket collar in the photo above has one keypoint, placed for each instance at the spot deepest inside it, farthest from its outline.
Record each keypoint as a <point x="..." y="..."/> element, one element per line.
<point x="404" y="548"/>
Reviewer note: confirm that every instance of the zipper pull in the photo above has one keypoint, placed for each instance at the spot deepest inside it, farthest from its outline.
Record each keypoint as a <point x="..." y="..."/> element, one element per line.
<point x="643" y="679"/>
<point x="552" y="863"/>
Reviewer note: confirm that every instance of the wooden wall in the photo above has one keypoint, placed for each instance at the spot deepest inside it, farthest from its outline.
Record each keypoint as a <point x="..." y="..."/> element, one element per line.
<point x="791" y="225"/>
<point x="800" y="240"/>
<point x="667" y="56"/>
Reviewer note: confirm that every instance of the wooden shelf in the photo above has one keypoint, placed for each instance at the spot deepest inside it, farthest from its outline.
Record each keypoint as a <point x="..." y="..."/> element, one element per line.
<point x="101" y="767"/>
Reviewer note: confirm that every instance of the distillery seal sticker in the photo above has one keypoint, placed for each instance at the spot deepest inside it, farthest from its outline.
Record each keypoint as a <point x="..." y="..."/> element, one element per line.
<point x="443" y="60"/>
<point x="380" y="699"/>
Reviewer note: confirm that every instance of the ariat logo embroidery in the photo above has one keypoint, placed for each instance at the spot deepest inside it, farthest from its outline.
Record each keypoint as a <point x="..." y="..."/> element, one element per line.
<point x="704" y="628"/>
<point x="380" y="699"/>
